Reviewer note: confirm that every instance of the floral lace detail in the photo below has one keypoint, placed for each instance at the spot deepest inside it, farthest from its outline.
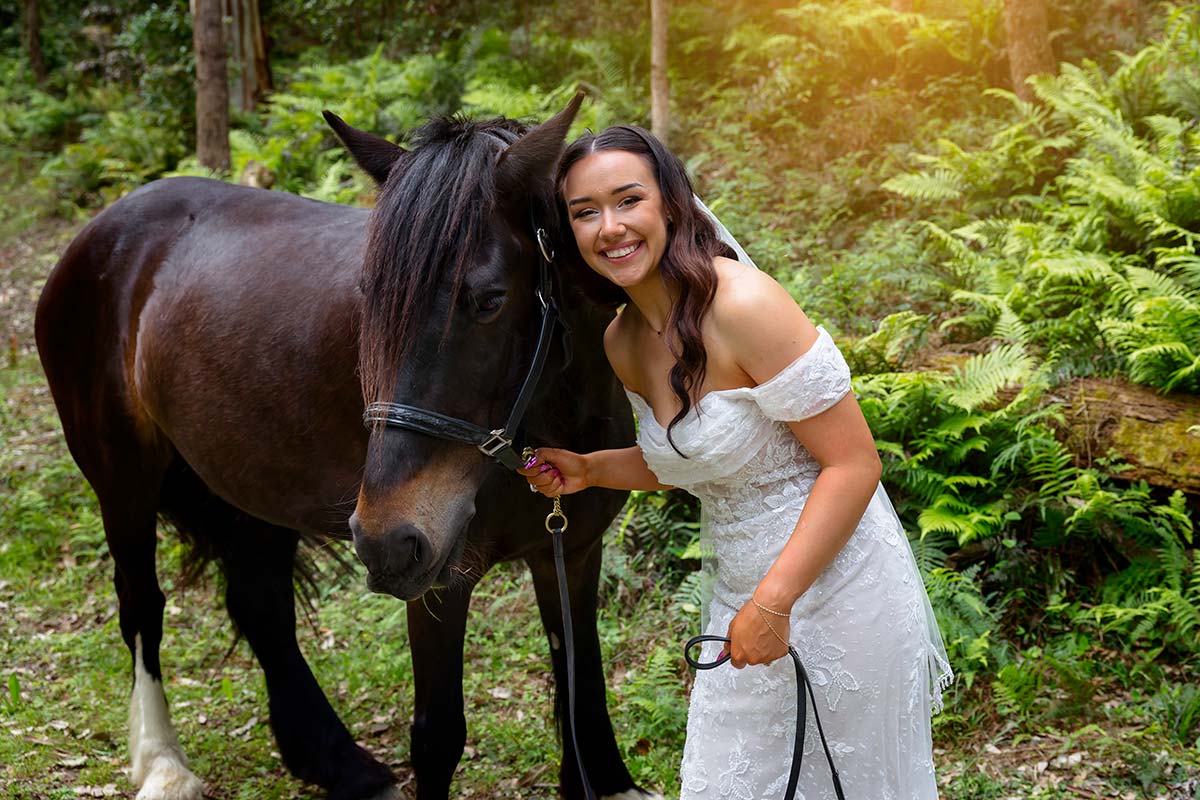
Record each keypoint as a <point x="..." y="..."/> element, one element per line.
<point x="859" y="628"/>
<point x="823" y="661"/>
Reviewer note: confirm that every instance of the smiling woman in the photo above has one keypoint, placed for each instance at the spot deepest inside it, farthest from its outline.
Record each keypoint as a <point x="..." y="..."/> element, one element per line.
<point x="765" y="431"/>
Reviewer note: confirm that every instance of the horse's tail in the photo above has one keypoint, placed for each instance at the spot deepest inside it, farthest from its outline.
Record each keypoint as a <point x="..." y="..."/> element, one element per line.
<point x="205" y="523"/>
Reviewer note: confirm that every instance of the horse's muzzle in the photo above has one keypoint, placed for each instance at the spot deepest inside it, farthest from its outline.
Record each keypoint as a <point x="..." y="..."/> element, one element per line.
<point x="395" y="560"/>
<point x="401" y="562"/>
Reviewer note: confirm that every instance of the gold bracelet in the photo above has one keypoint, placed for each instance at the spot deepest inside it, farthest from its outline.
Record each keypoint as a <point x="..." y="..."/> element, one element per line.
<point x="761" y="607"/>
<point x="771" y="627"/>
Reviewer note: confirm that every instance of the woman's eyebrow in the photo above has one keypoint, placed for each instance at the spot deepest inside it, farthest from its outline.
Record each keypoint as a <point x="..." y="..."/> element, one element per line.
<point x="618" y="190"/>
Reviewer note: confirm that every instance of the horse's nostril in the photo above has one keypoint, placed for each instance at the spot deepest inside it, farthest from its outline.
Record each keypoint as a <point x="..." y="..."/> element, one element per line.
<point x="400" y="551"/>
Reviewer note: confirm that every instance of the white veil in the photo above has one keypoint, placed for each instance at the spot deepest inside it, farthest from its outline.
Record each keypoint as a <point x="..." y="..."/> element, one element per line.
<point x="723" y="233"/>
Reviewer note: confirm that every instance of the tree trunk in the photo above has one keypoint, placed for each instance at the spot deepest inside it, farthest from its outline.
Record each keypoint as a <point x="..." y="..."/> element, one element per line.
<point x="253" y="80"/>
<point x="660" y="111"/>
<point x="1029" y="50"/>
<point x="33" y="40"/>
<point x="212" y="86"/>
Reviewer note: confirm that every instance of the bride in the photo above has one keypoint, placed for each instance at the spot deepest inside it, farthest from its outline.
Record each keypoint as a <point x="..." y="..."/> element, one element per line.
<point x="743" y="402"/>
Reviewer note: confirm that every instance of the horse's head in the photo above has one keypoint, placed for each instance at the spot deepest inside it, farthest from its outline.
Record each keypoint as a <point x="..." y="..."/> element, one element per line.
<point x="450" y="323"/>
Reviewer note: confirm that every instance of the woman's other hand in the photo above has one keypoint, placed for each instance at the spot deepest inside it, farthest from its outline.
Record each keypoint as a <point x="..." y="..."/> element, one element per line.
<point x="751" y="640"/>
<point x="556" y="472"/>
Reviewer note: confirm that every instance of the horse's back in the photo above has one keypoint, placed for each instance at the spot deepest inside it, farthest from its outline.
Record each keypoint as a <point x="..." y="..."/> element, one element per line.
<point x="110" y="267"/>
<point x="191" y="301"/>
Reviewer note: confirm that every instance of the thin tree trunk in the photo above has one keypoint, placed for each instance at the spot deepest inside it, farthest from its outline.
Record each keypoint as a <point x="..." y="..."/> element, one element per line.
<point x="212" y="86"/>
<point x="660" y="90"/>
<point x="33" y="40"/>
<point x="1029" y="51"/>
<point x="253" y="81"/>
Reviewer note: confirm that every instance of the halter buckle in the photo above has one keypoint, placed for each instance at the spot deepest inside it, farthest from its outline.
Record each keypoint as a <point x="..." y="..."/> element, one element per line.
<point x="496" y="442"/>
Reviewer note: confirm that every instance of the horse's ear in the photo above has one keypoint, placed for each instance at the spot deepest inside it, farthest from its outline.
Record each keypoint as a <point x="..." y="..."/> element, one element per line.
<point x="375" y="155"/>
<point x="526" y="166"/>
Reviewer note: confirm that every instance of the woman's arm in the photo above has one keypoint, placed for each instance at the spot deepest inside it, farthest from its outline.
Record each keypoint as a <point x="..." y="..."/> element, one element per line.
<point x="555" y="472"/>
<point x="841" y="442"/>
<point x="767" y="331"/>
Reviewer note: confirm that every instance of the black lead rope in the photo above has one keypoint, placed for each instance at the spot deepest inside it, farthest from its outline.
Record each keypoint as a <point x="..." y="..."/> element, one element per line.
<point x="803" y="685"/>
<point x="556" y="523"/>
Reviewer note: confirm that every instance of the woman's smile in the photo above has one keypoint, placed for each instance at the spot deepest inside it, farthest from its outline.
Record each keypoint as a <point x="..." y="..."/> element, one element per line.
<point x="621" y="253"/>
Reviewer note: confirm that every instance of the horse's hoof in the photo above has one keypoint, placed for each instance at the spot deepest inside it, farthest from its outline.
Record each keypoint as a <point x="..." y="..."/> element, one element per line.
<point x="168" y="779"/>
<point x="390" y="793"/>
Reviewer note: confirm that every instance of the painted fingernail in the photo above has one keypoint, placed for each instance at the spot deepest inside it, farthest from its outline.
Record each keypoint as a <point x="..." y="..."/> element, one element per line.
<point x="532" y="460"/>
<point x="544" y="468"/>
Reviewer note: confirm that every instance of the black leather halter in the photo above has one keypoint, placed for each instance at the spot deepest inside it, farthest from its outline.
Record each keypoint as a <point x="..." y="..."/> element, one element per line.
<point x="497" y="443"/>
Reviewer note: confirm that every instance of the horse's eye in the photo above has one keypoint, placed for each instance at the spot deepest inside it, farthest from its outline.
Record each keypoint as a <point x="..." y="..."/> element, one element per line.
<point x="486" y="305"/>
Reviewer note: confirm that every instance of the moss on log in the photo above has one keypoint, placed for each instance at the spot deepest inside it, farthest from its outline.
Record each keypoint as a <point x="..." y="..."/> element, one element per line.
<point x="1158" y="435"/>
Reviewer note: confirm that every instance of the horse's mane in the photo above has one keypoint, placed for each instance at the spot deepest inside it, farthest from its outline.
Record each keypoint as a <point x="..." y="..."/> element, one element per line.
<point x="430" y="221"/>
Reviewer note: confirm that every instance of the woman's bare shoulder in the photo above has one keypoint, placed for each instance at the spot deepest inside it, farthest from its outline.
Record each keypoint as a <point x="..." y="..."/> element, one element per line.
<point x="758" y="320"/>
<point x="618" y="347"/>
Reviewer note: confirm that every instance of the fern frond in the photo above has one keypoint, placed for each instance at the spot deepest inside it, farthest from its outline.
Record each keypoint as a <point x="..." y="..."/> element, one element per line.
<point x="935" y="185"/>
<point x="980" y="379"/>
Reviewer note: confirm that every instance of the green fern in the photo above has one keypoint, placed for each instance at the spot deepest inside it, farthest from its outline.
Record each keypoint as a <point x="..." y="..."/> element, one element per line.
<point x="936" y="185"/>
<point x="977" y="382"/>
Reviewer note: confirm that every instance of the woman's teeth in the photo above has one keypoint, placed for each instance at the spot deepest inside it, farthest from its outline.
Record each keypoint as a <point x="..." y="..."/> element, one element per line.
<point x="620" y="252"/>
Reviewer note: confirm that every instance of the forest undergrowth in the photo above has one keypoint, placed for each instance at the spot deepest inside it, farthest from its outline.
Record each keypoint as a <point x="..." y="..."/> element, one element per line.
<point x="973" y="254"/>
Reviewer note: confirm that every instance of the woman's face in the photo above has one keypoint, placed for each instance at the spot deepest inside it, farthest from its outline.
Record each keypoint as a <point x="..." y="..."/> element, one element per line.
<point x="617" y="215"/>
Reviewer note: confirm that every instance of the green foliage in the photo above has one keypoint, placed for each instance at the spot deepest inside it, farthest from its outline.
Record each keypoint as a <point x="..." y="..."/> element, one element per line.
<point x="658" y="533"/>
<point x="118" y="153"/>
<point x="651" y="690"/>
<point x="1072" y="232"/>
<point x="1178" y="710"/>
<point x="1020" y="687"/>
<point x="968" y="623"/>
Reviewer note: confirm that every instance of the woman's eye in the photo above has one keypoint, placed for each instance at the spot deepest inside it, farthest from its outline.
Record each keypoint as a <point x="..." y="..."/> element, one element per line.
<point x="583" y="212"/>
<point x="629" y="201"/>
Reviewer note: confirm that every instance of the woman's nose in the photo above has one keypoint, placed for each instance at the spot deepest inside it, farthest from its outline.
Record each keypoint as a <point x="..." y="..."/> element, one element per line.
<point x="610" y="226"/>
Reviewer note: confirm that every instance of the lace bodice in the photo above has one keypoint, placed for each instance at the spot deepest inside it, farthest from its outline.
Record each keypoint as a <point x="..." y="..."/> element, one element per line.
<point x="727" y="429"/>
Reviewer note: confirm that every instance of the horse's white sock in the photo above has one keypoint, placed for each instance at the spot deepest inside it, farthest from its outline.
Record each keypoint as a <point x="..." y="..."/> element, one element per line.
<point x="159" y="766"/>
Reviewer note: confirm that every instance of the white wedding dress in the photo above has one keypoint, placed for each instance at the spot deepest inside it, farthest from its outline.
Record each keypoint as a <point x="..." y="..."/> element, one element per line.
<point x="864" y="629"/>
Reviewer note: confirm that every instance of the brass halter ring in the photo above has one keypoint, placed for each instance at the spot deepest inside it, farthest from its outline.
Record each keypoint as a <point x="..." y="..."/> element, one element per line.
<point x="557" y="512"/>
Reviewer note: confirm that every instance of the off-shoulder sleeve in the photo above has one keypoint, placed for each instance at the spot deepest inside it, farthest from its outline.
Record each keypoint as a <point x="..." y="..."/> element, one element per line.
<point x="812" y="383"/>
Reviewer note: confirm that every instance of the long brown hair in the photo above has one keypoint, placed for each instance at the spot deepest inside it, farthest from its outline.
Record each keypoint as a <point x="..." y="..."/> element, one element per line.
<point x="687" y="263"/>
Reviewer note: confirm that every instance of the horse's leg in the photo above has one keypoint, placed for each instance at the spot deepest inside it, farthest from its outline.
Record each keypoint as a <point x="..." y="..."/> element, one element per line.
<point x="601" y="758"/>
<point x="160" y="769"/>
<point x="258" y="560"/>
<point x="436" y="626"/>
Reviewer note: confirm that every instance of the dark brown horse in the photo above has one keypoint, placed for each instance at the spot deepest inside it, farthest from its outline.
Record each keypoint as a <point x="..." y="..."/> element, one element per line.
<point x="201" y="342"/>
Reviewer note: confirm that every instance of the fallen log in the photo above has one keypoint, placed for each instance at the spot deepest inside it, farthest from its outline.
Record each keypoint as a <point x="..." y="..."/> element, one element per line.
<point x="1157" y="435"/>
